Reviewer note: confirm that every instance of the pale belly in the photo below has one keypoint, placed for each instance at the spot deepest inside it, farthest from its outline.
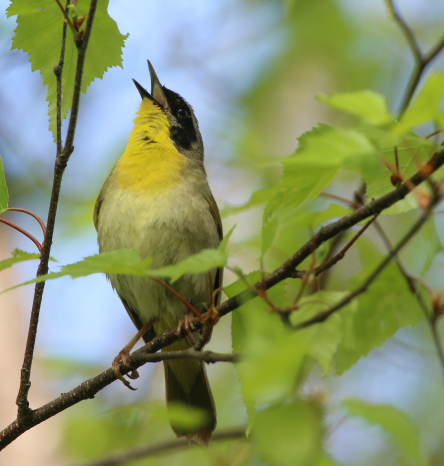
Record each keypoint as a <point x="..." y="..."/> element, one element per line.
<point x="168" y="229"/>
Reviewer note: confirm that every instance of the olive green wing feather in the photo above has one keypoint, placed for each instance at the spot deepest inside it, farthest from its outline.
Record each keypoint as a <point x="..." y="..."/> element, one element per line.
<point x="214" y="210"/>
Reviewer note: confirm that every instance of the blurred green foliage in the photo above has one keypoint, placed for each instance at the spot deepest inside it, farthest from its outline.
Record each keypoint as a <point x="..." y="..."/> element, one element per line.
<point x="349" y="136"/>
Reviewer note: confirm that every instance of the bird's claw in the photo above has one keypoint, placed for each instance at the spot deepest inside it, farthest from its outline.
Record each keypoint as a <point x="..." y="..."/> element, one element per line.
<point x="123" y="357"/>
<point x="186" y="324"/>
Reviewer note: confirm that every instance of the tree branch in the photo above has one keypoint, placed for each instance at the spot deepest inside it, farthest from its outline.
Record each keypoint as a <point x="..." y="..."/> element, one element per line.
<point x="286" y="270"/>
<point x="164" y="447"/>
<point x="24" y="412"/>
<point x="89" y="388"/>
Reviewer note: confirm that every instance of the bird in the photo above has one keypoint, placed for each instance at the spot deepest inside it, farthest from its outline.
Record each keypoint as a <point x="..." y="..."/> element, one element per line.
<point x="157" y="200"/>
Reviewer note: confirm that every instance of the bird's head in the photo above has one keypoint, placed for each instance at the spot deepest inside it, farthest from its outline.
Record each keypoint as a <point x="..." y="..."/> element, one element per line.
<point x="183" y="125"/>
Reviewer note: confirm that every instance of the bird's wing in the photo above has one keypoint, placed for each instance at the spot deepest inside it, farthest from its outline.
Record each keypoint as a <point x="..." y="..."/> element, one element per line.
<point x="97" y="209"/>
<point x="214" y="211"/>
<point x="150" y="333"/>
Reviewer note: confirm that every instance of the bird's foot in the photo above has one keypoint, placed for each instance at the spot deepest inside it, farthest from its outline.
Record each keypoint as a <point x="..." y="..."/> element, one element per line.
<point x="186" y="325"/>
<point x="124" y="355"/>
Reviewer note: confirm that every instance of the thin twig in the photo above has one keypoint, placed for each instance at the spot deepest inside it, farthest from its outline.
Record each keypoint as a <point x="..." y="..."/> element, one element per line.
<point x="421" y="60"/>
<point x="24" y="412"/>
<point x="179" y="297"/>
<point x="24" y="232"/>
<point x="324" y="315"/>
<point x="32" y="214"/>
<point x="352" y="204"/>
<point x="411" y="39"/>
<point x="165" y="447"/>
<point x="432" y="134"/>
<point x="340" y="255"/>
<point x="338" y="239"/>
<point x="411" y="282"/>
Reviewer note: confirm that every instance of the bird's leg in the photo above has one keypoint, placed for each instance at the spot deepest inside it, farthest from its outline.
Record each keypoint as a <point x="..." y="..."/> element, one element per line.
<point x="186" y="324"/>
<point x="124" y="355"/>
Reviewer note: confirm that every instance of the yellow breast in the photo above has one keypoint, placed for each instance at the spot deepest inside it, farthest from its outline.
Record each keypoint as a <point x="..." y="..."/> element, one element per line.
<point x="151" y="162"/>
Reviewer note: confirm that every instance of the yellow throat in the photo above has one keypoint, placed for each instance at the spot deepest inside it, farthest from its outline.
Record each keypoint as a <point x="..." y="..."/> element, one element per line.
<point x="151" y="162"/>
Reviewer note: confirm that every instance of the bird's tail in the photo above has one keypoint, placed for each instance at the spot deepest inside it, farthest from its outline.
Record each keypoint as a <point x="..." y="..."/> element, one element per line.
<point x="186" y="382"/>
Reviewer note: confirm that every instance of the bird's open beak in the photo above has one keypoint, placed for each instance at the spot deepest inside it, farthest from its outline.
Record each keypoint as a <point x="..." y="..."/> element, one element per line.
<point x="157" y="95"/>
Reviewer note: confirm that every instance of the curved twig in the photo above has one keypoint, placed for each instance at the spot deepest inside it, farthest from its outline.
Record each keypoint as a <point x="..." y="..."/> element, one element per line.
<point x="24" y="232"/>
<point x="32" y="214"/>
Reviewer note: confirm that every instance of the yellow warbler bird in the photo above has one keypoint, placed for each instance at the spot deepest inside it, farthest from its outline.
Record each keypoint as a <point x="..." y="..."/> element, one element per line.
<point x="157" y="200"/>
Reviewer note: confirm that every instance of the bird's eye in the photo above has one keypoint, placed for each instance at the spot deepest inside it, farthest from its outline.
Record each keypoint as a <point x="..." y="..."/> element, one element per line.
<point x="183" y="112"/>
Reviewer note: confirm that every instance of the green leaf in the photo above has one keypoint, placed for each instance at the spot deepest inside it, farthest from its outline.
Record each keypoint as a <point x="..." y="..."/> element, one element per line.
<point x="425" y="107"/>
<point x="370" y="106"/>
<point x="123" y="261"/>
<point x="322" y="152"/>
<point x="204" y="261"/>
<point x="289" y="434"/>
<point x="435" y="245"/>
<point x="259" y="197"/>
<point x="311" y="219"/>
<point x="395" y="422"/>
<point x="323" y="340"/>
<point x="268" y="234"/>
<point x="18" y="256"/>
<point x="411" y="149"/>
<point x="4" y="196"/>
<point x="384" y="308"/>
<point x="273" y="353"/>
<point x="128" y="262"/>
<point x="39" y="33"/>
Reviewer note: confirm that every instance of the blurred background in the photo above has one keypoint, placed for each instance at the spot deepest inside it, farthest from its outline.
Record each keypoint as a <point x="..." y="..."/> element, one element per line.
<point x="251" y="69"/>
